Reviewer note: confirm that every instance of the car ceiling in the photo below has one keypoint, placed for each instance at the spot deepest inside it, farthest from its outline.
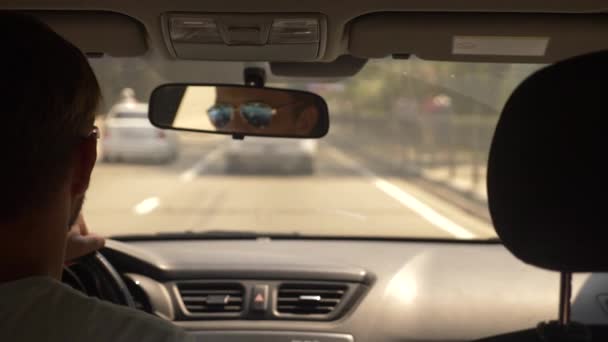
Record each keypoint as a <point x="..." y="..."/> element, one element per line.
<point x="361" y="28"/>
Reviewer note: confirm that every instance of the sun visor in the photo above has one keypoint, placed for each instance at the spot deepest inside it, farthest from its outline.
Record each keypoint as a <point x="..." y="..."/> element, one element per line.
<point x="97" y="33"/>
<point x="509" y="38"/>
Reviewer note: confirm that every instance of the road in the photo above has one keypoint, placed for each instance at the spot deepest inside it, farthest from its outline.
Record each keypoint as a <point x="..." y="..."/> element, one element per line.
<point x="344" y="197"/>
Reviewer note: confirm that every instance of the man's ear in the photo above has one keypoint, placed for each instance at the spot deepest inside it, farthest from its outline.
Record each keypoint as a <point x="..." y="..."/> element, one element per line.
<point x="84" y="159"/>
<point x="307" y="121"/>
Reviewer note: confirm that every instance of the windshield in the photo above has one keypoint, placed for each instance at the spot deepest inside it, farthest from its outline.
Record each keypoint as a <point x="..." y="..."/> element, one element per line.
<point x="405" y="157"/>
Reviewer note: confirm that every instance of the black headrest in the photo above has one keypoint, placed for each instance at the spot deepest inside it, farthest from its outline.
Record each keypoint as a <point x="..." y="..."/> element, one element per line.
<point x="548" y="167"/>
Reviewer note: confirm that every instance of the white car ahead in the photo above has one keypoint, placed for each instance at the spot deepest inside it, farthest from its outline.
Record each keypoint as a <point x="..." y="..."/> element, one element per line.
<point x="128" y="135"/>
<point x="297" y="155"/>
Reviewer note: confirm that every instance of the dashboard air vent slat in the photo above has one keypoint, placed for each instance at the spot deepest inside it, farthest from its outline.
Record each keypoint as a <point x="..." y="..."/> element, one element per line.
<point x="201" y="298"/>
<point x="309" y="299"/>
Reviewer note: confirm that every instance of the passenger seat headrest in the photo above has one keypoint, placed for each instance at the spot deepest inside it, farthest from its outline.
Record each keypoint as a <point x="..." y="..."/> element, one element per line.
<point x="548" y="167"/>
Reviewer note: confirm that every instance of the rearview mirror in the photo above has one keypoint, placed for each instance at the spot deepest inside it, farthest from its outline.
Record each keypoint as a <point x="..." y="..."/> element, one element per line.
<point x="239" y="111"/>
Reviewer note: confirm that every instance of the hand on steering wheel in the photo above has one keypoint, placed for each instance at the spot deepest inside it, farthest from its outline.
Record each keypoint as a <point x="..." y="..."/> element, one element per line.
<point x="82" y="253"/>
<point x="80" y="242"/>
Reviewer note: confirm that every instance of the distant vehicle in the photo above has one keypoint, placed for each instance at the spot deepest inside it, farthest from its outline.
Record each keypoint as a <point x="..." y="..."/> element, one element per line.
<point x="297" y="155"/>
<point x="128" y="135"/>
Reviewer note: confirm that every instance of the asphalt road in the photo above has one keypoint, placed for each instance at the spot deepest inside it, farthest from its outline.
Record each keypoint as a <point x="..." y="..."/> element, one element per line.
<point x="344" y="197"/>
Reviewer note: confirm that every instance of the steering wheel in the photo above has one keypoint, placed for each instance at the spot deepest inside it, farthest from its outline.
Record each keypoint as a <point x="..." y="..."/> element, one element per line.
<point x="93" y="275"/>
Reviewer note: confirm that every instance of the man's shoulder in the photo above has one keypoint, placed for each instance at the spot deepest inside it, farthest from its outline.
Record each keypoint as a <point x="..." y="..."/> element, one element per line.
<point x="133" y="316"/>
<point x="49" y="304"/>
<point x="128" y="324"/>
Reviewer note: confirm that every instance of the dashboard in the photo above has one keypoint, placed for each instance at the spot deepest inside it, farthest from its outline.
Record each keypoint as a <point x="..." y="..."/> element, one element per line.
<point x="305" y="290"/>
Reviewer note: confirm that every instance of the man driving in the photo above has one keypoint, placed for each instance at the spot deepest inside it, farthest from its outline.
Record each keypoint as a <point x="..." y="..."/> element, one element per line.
<point x="49" y="98"/>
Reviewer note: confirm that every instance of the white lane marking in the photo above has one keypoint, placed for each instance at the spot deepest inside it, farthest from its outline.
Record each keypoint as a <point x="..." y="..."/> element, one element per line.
<point x="422" y="209"/>
<point x="201" y="165"/>
<point x="405" y="198"/>
<point x="351" y="214"/>
<point x="150" y="204"/>
<point x="146" y="206"/>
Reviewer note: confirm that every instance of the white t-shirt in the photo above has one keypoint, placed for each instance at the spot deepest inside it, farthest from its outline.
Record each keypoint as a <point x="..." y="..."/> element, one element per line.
<point x="42" y="309"/>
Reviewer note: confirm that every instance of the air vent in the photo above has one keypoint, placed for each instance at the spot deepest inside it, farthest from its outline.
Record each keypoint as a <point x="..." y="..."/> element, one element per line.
<point x="206" y="298"/>
<point x="309" y="299"/>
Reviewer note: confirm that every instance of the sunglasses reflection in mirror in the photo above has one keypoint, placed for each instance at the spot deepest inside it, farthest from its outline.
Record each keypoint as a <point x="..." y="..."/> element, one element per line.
<point x="256" y="114"/>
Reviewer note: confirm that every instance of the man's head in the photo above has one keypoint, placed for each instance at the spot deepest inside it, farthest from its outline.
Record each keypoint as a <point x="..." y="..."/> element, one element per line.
<point x="48" y="97"/>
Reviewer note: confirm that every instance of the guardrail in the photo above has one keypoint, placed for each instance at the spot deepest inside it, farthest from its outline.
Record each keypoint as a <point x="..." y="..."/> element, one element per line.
<point x="449" y="150"/>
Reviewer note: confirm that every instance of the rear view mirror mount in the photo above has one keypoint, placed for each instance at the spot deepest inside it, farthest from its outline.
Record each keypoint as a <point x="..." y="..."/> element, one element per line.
<point x="239" y="110"/>
<point x="255" y="77"/>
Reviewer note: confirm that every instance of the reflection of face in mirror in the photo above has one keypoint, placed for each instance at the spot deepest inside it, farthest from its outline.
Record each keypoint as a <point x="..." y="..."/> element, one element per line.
<point x="263" y="111"/>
